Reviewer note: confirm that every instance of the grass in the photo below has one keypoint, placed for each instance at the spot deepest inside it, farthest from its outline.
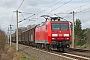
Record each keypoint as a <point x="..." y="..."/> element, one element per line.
<point x="85" y="46"/>
<point x="33" y="58"/>
<point x="14" y="47"/>
<point x="24" y="58"/>
<point x="21" y="57"/>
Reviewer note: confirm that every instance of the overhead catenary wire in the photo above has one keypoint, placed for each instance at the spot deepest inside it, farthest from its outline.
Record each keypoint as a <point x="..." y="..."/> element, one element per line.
<point x="50" y="6"/>
<point x="20" y="4"/>
<point x="26" y="18"/>
<point x="57" y="7"/>
<point x="25" y="13"/>
<point x="78" y="12"/>
<point x="29" y="16"/>
<point x="77" y="7"/>
<point x="60" y="6"/>
<point x="22" y="15"/>
<point x="83" y="10"/>
<point x="74" y="8"/>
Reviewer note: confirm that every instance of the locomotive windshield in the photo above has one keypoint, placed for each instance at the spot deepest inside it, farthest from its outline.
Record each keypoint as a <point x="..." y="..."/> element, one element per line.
<point x="59" y="26"/>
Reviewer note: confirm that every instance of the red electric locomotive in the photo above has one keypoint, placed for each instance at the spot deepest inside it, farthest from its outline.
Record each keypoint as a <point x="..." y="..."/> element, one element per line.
<point x="53" y="34"/>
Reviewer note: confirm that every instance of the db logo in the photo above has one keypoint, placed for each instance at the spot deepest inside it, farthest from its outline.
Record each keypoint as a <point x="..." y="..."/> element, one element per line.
<point x="60" y="31"/>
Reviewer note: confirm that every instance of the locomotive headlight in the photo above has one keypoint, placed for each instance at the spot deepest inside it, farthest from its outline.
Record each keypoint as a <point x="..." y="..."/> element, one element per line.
<point x="53" y="38"/>
<point x="54" y="34"/>
<point x="66" y="35"/>
<point x="67" y="38"/>
<point x="68" y="46"/>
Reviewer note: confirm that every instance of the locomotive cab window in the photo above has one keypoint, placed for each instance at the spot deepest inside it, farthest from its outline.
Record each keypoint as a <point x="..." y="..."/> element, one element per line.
<point x="64" y="26"/>
<point x="55" y="26"/>
<point x="59" y="26"/>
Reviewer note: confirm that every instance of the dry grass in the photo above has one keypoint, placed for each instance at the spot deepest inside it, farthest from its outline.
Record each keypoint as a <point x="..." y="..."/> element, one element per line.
<point x="7" y="54"/>
<point x="3" y="38"/>
<point x="10" y="54"/>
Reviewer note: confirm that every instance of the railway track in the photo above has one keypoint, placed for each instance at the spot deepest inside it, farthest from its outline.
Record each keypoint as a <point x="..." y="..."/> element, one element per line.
<point x="76" y="54"/>
<point x="82" y="52"/>
<point x="68" y="55"/>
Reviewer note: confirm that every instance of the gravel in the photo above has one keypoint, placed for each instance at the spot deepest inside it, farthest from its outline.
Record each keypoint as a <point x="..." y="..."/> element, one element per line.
<point x="34" y="54"/>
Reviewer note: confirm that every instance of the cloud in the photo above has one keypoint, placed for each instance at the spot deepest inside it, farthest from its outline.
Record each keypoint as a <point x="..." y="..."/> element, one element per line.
<point x="86" y="24"/>
<point x="16" y="3"/>
<point x="9" y="3"/>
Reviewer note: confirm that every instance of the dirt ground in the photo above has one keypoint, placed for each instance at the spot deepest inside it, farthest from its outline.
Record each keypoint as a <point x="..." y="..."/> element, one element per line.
<point x="10" y="54"/>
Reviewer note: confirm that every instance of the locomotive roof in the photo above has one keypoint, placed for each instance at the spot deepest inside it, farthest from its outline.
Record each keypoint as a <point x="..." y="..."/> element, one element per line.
<point x="60" y="21"/>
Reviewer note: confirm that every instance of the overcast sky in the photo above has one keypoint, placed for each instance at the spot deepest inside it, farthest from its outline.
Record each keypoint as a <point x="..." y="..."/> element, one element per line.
<point x="42" y="7"/>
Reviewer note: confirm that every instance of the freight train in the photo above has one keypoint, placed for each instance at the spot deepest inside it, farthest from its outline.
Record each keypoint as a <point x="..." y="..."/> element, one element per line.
<point x="52" y="34"/>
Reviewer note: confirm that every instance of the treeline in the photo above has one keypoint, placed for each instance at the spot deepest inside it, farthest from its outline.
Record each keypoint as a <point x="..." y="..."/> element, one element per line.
<point x="82" y="36"/>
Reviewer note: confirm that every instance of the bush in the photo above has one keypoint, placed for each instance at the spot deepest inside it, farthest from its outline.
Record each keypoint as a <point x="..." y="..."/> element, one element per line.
<point x="80" y="42"/>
